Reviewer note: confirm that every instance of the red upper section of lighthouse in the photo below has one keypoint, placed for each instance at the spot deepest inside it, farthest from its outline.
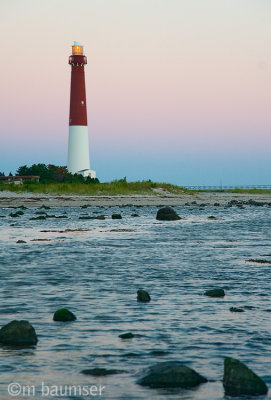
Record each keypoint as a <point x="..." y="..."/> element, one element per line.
<point x="78" y="106"/>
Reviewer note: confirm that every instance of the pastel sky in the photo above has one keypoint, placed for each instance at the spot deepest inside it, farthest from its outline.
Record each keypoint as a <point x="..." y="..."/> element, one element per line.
<point x="177" y="90"/>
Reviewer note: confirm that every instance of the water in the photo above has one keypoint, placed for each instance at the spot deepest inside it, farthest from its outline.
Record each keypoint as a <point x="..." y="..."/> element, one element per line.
<point x="96" y="273"/>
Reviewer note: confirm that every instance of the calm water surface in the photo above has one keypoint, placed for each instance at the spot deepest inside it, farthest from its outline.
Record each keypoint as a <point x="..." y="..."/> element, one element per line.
<point x="96" y="273"/>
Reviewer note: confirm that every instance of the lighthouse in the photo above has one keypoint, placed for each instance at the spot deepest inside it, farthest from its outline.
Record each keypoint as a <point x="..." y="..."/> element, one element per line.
<point x="78" y="150"/>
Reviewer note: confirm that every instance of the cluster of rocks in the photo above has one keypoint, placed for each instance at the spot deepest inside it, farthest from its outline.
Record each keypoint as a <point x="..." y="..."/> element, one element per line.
<point x="238" y="379"/>
<point x="250" y="202"/>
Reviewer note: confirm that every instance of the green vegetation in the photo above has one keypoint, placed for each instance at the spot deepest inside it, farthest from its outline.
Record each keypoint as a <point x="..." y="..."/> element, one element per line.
<point x="57" y="180"/>
<point x="117" y="187"/>
<point x="52" y="173"/>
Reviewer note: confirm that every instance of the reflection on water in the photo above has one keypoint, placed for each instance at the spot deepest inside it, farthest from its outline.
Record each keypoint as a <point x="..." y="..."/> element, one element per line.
<point x="94" y="267"/>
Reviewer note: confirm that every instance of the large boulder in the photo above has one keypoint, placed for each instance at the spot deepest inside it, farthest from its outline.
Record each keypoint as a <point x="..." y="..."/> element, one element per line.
<point x="167" y="214"/>
<point x="18" y="333"/>
<point x="64" y="315"/>
<point x="171" y="375"/>
<point x="239" y="380"/>
<point x="143" y="296"/>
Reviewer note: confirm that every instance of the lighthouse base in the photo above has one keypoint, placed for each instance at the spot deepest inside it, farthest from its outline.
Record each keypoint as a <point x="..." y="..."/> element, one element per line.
<point x="78" y="152"/>
<point x="88" y="172"/>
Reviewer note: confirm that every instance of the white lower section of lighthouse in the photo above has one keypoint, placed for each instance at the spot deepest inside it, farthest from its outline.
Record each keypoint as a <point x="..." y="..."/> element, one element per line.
<point x="78" y="151"/>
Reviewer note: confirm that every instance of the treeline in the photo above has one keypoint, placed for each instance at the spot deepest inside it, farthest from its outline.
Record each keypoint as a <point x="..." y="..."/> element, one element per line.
<point x="52" y="173"/>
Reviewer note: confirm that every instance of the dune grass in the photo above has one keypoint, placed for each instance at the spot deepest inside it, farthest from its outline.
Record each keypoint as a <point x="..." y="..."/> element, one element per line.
<point x="120" y="187"/>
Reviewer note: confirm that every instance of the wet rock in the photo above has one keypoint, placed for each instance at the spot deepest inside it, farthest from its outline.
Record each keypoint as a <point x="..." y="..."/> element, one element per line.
<point x="16" y="214"/>
<point x="239" y="380"/>
<point x="128" y="335"/>
<point x="101" y="217"/>
<point x="259" y="261"/>
<point x="216" y="204"/>
<point x="64" y="315"/>
<point x="20" y="241"/>
<point x="116" y="216"/>
<point x="40" y="213"/>
<point x="212" y="217"/>
<point x="56" y="216"/>
<point x="85" y="206"/>
<point x="100" y="371"/>
<point x="18" y="333"/>
<point x="143" y="296"/>
<point x="134" y="215"/>
<point x="86" y="217"/>
<point x="45" y="207"/>
<point x="236" y="309"/>
<point x="22" y="207"/>
<point x="252" y="202"/>
<point x="167" y="214"/>
<point x="215" y="293"/>
<point x="40" y="217"/>
<point x="171" y="375"/>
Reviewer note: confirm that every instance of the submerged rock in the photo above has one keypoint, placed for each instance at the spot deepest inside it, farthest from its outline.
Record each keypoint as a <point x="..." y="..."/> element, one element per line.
<point x="143" y="296"/>
<point x="101" y="217"/>
<point x="171" y="375"/>
<point x="100" y="371"/>
<point x="167" y="214"/>
<point x="116" y="216"/>
<point x="134" y="215"/>
<point x="16" y="214"/>
<point x="236" y="309"/>
<point x="21" y="241"/>
<point x="259" y="261"/>
<point x="212" y="217"/>
<point x="239" y="380"/>
<point x="215" y="293"/>
<point x="40" y="217"/>
<point x="18" y="333"/>
<point x="64" y="315"/>
<point x="128" y="335"/>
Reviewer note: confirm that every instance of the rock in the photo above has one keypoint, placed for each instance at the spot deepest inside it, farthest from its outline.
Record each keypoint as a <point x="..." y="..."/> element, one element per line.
<point x="215" y="293"/>
<point x="236" y="309"/>
<point x="14" y="215"/>
<point x="239" y="380"/>
<point x="45" y="207"/>
<point x="212" y="217"/>
<point x="143" y="296"/>
<point x="259" y="261"/>
<point x="128" y="335"/>
<point x="100" y="371"/>
<point x="18" y="333"/>
<point x="40" y="217"/>
<point x="167" y="214"/>
<point x="101" y="217"/>
<point x="216" y="204"/>
<point x="56" y="216"/>
<point x="134" y="215"/>
<point x="20" y="241"/>
<point x="64" y="315"/>
<point x="171" y="375"/>
<point x="116" y="216"/>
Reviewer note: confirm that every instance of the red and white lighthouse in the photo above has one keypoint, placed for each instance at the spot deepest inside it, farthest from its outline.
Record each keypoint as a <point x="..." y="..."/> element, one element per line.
<point x="78" y="152"/>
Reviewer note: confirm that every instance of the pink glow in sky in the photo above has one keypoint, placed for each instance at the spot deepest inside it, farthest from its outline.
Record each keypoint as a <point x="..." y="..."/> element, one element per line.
<point x="173" y="86"/>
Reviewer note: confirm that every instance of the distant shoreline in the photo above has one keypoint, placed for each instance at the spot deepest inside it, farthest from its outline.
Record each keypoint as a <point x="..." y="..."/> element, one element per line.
<point x="12" y="199"/>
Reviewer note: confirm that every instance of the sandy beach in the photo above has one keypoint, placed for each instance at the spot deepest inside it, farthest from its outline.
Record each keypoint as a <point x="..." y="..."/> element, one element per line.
<point x="10" y="199"/>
